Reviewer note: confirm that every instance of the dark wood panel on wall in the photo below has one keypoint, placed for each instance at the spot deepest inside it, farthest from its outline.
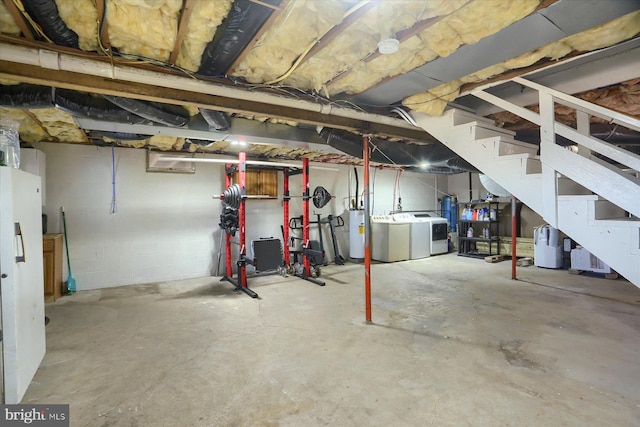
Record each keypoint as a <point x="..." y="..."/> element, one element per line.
<point x="261" y="182"/>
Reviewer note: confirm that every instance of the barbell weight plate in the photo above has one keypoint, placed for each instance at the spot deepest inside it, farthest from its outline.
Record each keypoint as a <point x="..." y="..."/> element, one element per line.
<point x="321" y="197"/>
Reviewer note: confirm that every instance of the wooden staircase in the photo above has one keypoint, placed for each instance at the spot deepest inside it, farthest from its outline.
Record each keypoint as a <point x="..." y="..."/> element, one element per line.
<point x="595" y="202"/>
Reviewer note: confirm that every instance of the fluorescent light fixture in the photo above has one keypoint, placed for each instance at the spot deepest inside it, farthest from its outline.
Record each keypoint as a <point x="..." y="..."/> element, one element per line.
<point x="167" y="158"/>
<point x="219" y="160"/>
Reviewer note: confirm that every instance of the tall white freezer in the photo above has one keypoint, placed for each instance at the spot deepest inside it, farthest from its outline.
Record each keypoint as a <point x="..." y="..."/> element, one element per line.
<point x="21" y="281"/>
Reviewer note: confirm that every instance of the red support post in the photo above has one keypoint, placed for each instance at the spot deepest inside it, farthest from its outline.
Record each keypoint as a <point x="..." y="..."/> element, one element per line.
<point x="285" y="208"/>
<point x="305" y="214"/>
<point x="227" y="237"/>
<point x="513" y="238"/>
<point x="367" y="231"/>
<point x="242" y="181"/>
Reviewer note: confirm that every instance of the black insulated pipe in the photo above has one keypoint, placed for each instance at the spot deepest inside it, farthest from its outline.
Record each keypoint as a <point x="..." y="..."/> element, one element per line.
<point x="94" y="107"/>
<point x="233" y="35"/>
<point x="45" y="13"/>
<point x="388" y="152"/>
<point x="166" y="114"/>
<point x="217" y="120"/>
<point x="25" y="96"/>
<point x="117" y="136"/>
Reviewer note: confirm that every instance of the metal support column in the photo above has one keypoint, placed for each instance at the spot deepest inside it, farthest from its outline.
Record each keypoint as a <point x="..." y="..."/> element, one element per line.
<point x="285" y="209"/>
<point x="227" y="236"/>
<point x="367" y="231"/>
<point x="305" y="215"/>
<point x="513" y="237"/>
<point x="242" y="221"/>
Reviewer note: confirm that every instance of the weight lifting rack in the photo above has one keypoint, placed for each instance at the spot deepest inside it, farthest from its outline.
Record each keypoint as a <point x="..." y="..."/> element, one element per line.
<point x="241" y="282"/>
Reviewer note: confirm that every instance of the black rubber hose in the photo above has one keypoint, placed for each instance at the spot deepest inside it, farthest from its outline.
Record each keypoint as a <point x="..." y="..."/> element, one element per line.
<point x="25" y="96"/>
<point x="170" y="115"/>
<point x="45" y="13"/>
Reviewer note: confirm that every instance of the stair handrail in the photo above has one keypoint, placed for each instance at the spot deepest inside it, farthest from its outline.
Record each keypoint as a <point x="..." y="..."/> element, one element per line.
<point x="624" y="157"/>
<point x="582" y="105"/>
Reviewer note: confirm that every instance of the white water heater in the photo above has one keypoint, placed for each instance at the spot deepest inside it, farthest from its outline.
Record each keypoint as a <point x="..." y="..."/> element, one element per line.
<point x="356" y="234"/>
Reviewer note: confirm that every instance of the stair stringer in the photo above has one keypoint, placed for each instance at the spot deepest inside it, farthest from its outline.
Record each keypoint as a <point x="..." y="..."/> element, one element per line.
<point x="616" y="242"/>
<point x="488" y="154"/>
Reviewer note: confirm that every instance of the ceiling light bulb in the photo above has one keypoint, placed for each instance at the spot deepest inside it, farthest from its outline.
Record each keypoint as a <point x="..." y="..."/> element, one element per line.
<point x="424" y="165"/>
<point x="388" y="46"/>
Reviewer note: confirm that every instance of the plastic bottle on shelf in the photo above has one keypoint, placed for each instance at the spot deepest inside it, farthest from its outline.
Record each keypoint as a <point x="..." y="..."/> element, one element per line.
<point x="9" y="143"/>
<point x="492" y="215"/>
<point x="470" y="232"/>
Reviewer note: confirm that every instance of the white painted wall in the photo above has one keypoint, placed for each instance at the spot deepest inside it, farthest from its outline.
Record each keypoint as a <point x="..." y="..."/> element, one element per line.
<point x="166" y="226"/>
<point x="459" y="186"/>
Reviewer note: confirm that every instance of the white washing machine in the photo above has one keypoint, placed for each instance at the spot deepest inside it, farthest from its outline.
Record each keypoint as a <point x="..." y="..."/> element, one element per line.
<point x="439" y="234"/>
<point x="419" y="235"/>
<point x="389" y="239"/>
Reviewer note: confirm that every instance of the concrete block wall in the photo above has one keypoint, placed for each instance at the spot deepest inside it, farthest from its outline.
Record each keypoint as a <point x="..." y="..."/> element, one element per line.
<point x="166" y="225"/>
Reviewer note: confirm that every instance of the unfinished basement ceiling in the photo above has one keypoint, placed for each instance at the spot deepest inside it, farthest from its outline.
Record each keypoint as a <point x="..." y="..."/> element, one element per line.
<point x="301" y="78"/>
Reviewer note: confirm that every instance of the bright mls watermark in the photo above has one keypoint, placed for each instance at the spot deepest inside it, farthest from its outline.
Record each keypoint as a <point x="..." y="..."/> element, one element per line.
<point x="34" y="415"/>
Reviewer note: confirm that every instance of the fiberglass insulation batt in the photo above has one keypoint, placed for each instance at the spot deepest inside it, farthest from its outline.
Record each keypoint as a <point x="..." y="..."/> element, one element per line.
<point x="285" y="40"/>
<point x="433" y="102"/>
<point x="146" y="28"/>
<point x="7" y="24"/>
<point x="203" y="23"/>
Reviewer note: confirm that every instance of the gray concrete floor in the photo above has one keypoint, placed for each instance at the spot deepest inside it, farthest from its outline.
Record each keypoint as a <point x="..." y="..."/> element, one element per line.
<point x="454" y="342"/>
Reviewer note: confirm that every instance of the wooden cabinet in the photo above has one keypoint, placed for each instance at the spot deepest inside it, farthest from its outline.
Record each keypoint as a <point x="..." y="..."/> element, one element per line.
<point x="52" y="264"/>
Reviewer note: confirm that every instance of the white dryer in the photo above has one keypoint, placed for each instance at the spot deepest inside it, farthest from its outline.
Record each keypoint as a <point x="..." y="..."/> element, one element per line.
<point x="439" y="234"/>
<point x="389" y="239"/>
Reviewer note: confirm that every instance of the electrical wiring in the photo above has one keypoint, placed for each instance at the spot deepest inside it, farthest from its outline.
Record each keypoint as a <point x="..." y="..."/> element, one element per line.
<point x="373" y="189"/>
<point x="284" y="20"/>
<point x="407" y="118"/>
<point x="395" y="185"/>
<point x="137" y="59"/>
<point x="313" y="44"/>
<point x="38" y="29"/>
<point x="429" y="186"/>
<point x="382" y="152"/>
